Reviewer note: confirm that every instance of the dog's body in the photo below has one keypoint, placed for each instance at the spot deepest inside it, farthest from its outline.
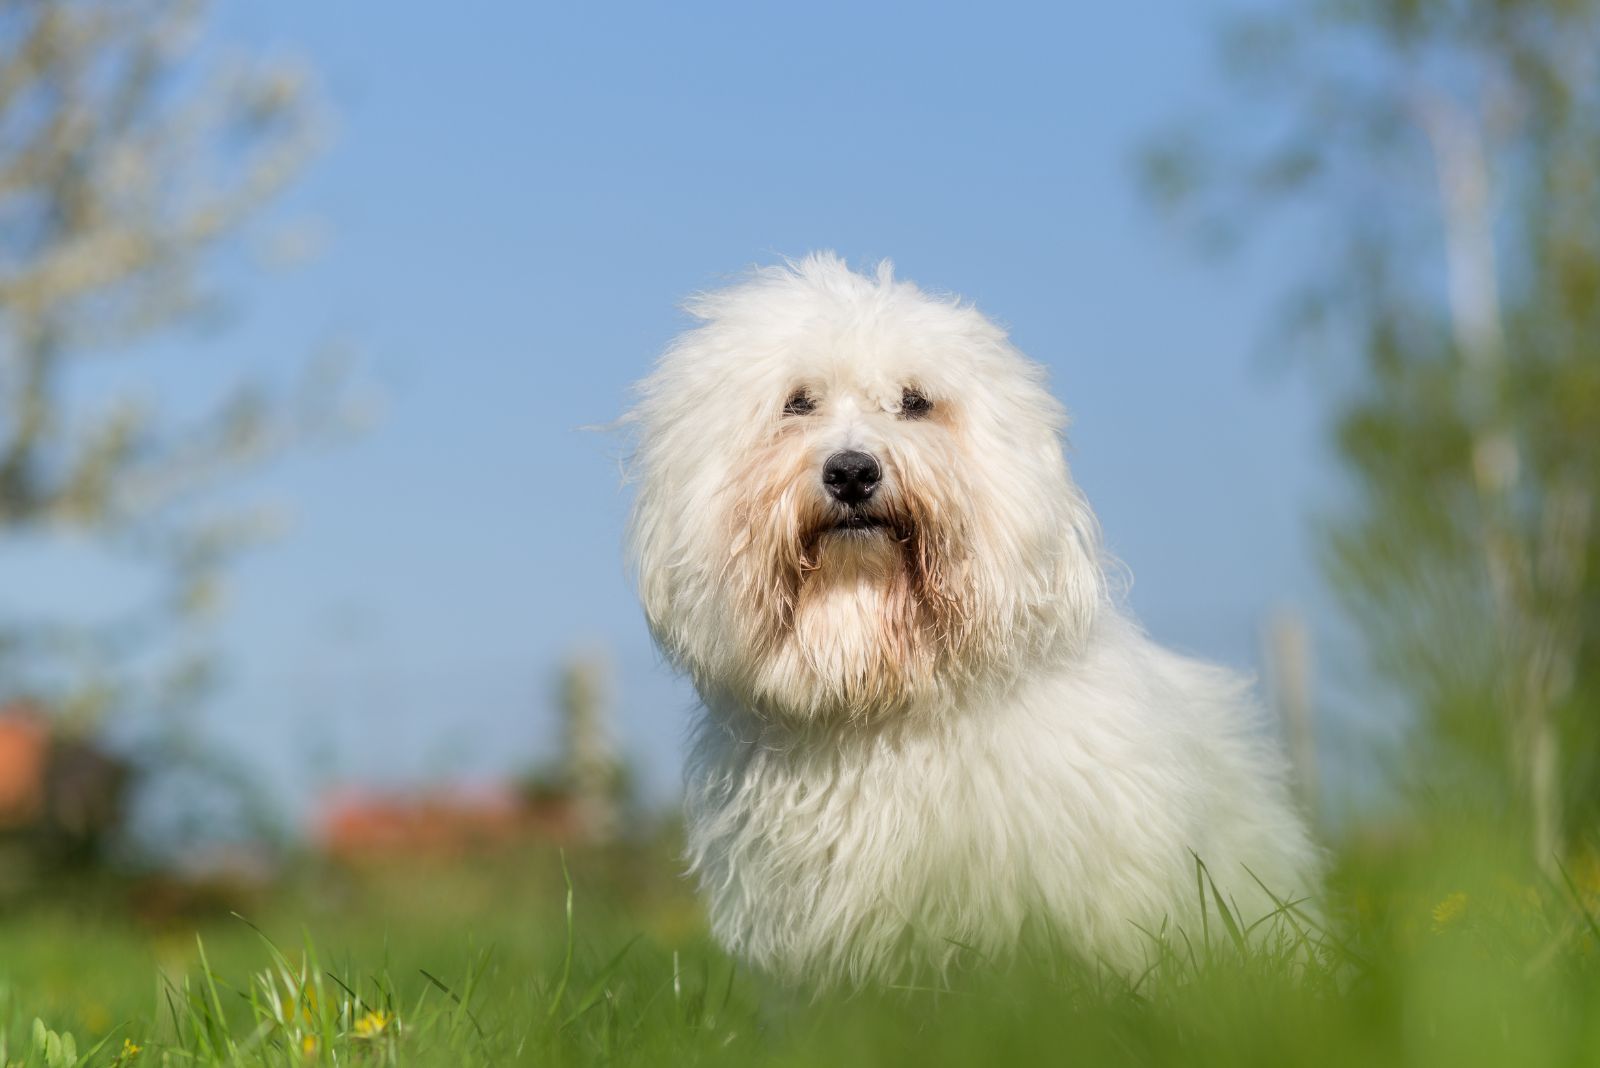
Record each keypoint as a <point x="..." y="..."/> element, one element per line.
<point x="928" y="725"/>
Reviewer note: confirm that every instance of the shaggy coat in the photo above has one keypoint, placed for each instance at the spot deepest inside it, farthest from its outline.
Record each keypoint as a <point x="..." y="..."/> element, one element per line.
<point x="927" y="723"/>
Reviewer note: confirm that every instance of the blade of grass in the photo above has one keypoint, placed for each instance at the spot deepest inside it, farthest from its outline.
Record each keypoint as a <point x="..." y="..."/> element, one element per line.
<point x="1200" y="889"/>
<point x="216" y="1000"/>
<point x="1328" y="937"/>
<point x="430" y="977"/>
<point x="596" y="988"/>
<point x="566" y="964"/>
<point x="1228" y="919"/>
<point x="1577" y="899"/>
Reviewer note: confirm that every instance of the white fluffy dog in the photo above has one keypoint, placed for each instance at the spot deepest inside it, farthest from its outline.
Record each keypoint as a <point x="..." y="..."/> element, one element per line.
<point x="927" y="723"/>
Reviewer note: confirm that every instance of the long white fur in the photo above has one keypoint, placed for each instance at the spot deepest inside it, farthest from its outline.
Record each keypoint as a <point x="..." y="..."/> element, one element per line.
<point x="951" y="735"/>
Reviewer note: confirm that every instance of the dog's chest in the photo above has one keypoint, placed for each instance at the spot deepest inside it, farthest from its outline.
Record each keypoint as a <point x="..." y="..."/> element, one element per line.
<point x="951" y="836"/>
<point x="832" y="856"/>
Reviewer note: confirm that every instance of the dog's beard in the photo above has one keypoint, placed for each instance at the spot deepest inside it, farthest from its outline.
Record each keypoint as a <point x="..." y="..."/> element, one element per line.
<point x="857" y="624"/>
<point x="856" y="611"/>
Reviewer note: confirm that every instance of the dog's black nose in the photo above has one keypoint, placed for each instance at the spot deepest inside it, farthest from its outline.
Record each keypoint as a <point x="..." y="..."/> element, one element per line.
<point x="851" y="476"/>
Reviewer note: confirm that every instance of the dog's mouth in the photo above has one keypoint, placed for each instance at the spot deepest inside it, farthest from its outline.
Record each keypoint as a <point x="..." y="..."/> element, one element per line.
<point x="858" y="522"/>
<point x="863" y="524"/>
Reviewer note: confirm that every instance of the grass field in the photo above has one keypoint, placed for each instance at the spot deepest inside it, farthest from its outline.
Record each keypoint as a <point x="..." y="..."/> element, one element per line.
<point x="1443" y="952"/>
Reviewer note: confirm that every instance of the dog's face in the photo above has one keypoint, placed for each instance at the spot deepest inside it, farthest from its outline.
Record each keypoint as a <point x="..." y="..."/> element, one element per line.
<point x="853" y="500"/>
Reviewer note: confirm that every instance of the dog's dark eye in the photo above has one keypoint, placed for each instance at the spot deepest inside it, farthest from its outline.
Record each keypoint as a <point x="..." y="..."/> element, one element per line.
<point x="913" y="405"/>
<point x="799" y="403"/>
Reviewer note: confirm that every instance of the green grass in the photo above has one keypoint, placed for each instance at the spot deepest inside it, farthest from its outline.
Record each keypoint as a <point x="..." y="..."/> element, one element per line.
<point x="1440" y="953"/>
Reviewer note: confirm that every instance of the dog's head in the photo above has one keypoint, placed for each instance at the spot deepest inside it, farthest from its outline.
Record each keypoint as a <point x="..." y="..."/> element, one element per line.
<point x="853" y="500"/>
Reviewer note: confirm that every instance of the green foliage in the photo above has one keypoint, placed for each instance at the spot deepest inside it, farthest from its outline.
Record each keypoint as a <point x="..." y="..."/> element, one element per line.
<point x="125" y="164"/>
<point x="1444" y="955"/>
<point x="1443" y="160"/>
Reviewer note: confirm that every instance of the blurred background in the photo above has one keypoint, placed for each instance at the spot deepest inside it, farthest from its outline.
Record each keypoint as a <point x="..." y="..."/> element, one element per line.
<point x="313" y="318"/>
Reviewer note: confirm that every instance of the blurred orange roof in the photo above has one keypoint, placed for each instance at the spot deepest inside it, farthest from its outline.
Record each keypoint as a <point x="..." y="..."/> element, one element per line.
<point x="355" y="824"/>
<point x="24" y="750"/>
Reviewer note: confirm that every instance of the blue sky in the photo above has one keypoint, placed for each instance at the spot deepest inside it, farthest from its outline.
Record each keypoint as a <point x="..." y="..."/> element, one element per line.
<point x="513" y="200"/>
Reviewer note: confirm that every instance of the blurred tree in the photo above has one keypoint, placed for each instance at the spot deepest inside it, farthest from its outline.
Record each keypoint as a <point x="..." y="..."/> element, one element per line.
<point x="123" y="168"/>
<point x="590" y="763"/>
<point x="588" y="786"/>
<point x="1444" y="158"/>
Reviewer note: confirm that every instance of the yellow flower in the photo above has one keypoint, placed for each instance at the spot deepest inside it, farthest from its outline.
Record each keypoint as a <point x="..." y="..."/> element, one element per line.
<point x="1448" y="911"/>
<point x="130" y="1050"/>
<point x="372" y="1024"/>
<point x="308" y="1045"/>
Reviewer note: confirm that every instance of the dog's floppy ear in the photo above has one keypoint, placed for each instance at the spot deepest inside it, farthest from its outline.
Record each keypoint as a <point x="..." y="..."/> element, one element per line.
<point x="648" y="549"/>
<point x="1078" y="579"/>
<point x="660" y="547"/>
<point x="675" y="530"/>
<point x="1043" y="552"/>
<point x="654" y="535"/>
